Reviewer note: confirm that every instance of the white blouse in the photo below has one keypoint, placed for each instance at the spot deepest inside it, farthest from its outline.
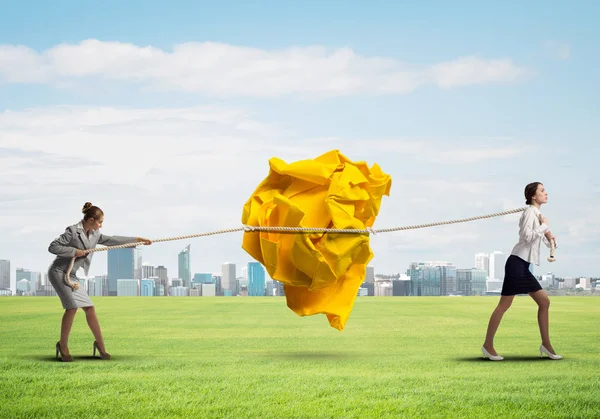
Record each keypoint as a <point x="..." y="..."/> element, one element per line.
<point x="531" y="234"/>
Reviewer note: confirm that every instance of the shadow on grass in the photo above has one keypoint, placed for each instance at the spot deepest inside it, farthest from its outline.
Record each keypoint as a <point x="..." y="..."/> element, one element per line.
<point x="85" y="358"/>
<point x="506" y="359"/>
<point x="314" y="356"/>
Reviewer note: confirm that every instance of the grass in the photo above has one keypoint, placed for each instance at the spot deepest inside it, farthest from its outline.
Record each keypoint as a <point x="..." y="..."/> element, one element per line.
<point x="254" y="358"/>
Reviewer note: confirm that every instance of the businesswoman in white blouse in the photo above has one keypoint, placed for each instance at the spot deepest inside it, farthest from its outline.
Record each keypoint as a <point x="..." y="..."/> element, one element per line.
<point x="533" y="229"/>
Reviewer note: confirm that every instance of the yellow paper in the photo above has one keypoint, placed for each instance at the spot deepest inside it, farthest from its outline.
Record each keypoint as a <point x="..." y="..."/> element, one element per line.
<point x="321" y="272"/>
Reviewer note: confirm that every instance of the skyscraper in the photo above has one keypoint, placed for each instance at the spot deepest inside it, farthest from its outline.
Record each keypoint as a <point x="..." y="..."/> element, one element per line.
<point x="32" y="277"/>
<point x="497" y="261"/>
<point x="138" y="255"/>
<point x="161" y="273"/>
<point x="228" y="279"/>
<point x="482" y="262"/>
<point x="370" y="275"/>
<point x="184" y="271"/>
<point x="148" y="271"/>
<point x="5" y="274"/>
<point x="256" y="279"/>
<point x="121" y="265"/>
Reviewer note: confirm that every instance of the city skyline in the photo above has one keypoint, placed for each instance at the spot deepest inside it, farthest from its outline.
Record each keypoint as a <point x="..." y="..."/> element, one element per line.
<point x="124" y="265"/>
<point x="170" y="131"/>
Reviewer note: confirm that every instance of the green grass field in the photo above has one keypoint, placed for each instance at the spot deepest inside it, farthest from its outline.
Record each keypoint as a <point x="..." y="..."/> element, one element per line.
<point x="254" y="358"/>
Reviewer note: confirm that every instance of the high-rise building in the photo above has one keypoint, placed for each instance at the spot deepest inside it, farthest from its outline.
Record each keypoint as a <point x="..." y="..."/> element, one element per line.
<point x="383" y="288"/>
<point x="34" y="278"/>
<point x="184" y="271"/>
<point x="161" y="273"/>
<point x="203" y="278"/>
<point x="148" y="271"/>
<point x="228" y="280"/>
<point x="401" y="286"/>
<point x="370" y="275"/>
<point x="448" y="279"/>
<point x="278" y="288"/>
<point x="139" y="262"/>
<point x="4" y="274"/>
<point x="147" y="288"/>
<point x="100" y="285"/>
<point x="128" y="287"/>
<point x="268" y="286"/>
<point x="23" y="287"/>
<point x="218" y="281"/>
<point x="471" y="281"/>
<point x="432" y="278"/>
<point x="121" y="265"/>
<point x="497" y="261"/>
<point x="425" y="278"/>
<point x="482" y="262"/>
<point x="256" y="279"/>
<point x="91" y="290"/>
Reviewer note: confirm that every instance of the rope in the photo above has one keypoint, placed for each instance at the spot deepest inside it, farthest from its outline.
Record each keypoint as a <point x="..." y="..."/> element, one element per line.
<point x="247" y="228"/>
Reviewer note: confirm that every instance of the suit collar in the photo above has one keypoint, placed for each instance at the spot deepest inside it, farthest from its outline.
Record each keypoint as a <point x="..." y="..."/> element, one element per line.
<point x="82" y="236"/>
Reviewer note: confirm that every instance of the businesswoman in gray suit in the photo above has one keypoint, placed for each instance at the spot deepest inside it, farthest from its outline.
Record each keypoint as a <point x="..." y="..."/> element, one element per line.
<point x="76" y="241"/>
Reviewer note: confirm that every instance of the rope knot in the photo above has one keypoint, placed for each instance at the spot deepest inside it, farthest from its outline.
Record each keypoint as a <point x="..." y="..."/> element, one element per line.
<point x="249" y="228"/>
<point x="371" y="231"/>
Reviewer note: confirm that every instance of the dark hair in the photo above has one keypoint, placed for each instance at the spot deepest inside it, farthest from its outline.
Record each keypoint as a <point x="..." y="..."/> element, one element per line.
<point x="91" y="211"/>
<point x="530" y="191"/>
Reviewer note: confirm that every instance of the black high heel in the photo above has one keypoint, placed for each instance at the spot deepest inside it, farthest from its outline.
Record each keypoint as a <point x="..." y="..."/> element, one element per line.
<point x="103" y="355"/>
<point x="63" y="357"/>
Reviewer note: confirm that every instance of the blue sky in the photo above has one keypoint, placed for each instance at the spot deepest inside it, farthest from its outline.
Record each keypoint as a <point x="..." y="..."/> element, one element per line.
<point x="463" y="103"/>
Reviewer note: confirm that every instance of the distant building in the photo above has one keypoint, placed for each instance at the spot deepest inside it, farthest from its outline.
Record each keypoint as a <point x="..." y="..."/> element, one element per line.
<point x="147" y="288"/>
<point x="228" y="281"/>
<point x="256" y="279"/>
<point x="208" y="290"/>
<point x="471" y="281"/>
<point x="184" y="267"/>
<point x="121" y="265"/>
<point x="128" y="287"/>
<point x="4" y="274"/>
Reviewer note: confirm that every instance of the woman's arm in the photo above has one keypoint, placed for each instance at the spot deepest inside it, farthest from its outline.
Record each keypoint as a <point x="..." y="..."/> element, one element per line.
<point x="60" y="245"/>
<point x="115" y="240"/>
<point x="118" y="240"/>
<point x="527" y="232"/>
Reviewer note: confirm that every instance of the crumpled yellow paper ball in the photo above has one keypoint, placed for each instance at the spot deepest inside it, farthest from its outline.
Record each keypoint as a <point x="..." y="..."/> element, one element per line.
<point x="321" y="272"/>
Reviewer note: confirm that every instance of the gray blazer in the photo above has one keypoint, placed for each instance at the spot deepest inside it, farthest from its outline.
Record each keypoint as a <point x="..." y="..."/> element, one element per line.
<point x="74" y="237"/>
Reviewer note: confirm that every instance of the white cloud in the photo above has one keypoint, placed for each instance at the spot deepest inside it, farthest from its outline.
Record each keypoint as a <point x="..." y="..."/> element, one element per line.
<point x="558" y="50"/>
<point x="227" y="70"/>
<point x="473" y="70"/>
<point x="470" y="150"/>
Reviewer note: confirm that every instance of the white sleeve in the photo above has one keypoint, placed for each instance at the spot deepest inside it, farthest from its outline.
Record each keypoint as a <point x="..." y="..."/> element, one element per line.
<point x="527" y="232"/>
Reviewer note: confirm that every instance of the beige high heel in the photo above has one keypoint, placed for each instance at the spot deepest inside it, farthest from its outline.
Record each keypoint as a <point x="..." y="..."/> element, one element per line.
<point x="63" y="357"/>
<point x="543" y="351"/>
<point x="486" y="354"/>
<point x="103" y="355"/>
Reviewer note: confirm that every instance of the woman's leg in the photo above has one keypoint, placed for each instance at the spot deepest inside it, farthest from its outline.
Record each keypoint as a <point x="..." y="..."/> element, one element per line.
<point x="92" y="321"/>
<point x="543" y="302"/>
<point x="65" y="329"/>
<point x="496" y="317"/>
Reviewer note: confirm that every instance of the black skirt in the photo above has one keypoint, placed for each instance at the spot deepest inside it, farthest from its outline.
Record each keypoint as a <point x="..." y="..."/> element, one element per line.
<point x="518" y="279"/>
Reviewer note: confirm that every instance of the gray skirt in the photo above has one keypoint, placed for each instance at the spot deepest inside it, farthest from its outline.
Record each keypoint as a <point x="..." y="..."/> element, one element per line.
<point x="68" y="297"/>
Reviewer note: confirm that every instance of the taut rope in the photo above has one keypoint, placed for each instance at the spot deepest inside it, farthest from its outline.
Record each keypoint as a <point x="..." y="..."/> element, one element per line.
<point x="75" y="285"/>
